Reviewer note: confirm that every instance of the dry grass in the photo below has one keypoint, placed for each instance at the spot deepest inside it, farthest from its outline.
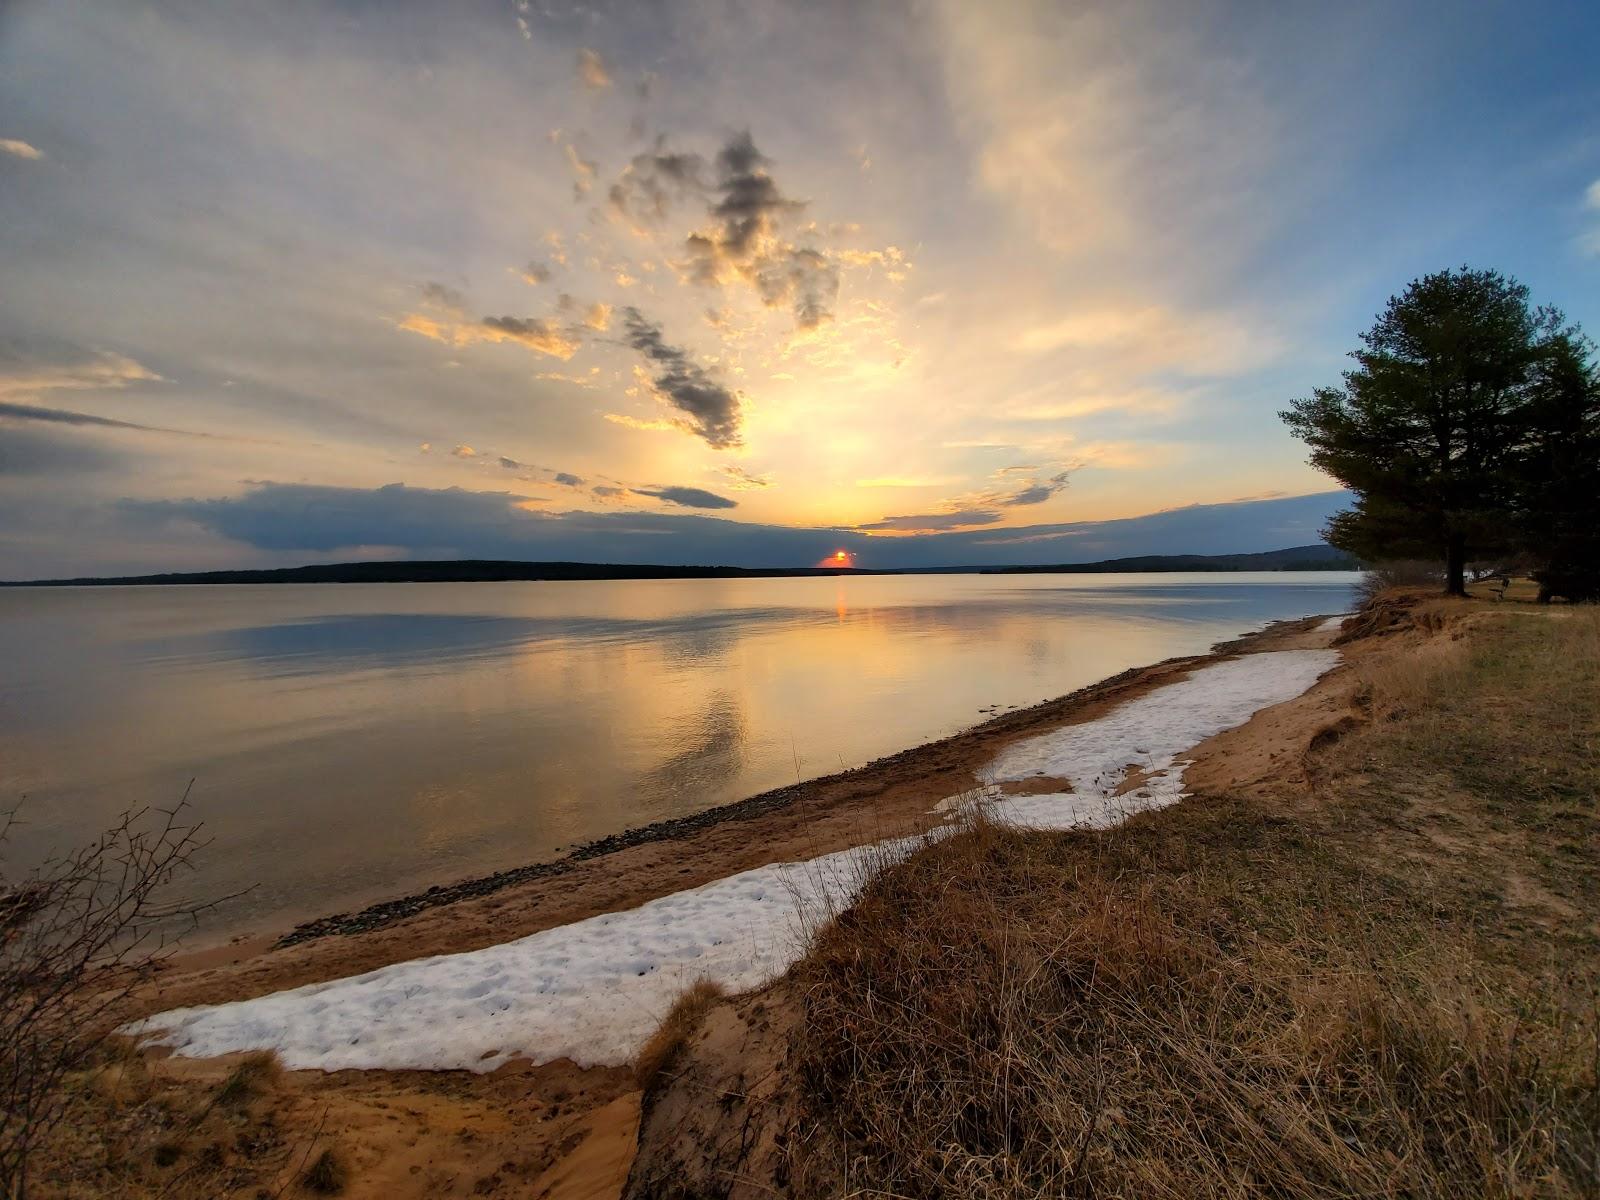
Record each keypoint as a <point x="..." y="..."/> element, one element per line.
<point x="131" y="1129"/>
<point x="256" y="1072"/>
<point x="1389" y="993"/>
<point x="328" y="1174"/>
<point x="676" y="1028"/>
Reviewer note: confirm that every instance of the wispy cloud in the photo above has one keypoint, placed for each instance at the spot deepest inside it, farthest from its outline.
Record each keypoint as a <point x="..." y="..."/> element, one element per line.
<point x="19" y="149"/>
<point x="933" y="522"/>
<point x="535" y="333"/>
<point x="592" y="70"/>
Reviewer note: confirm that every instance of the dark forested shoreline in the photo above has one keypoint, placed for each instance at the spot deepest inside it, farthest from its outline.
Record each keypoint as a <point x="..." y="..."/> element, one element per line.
<point x="481" y="570"/>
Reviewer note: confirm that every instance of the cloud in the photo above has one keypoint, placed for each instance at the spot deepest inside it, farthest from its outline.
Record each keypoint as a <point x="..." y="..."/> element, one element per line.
<point x="598" y="317"/>
<point x="58" y="416"/>
<point x="592" y="70"/>
<point x="25" y="377"/>
<point x="1589" y="239"/>
<point x="745" y="242"/>
<point x="464" y="452"/>
<point x="452" y="522"/>
<point x="509" y="464"/>
<point x="535" y="273"/>
<point x="712" y="410"/>
<point x="19" y="149"/>
<point x="583" y="171"/>
<point x="1151" y="337"/>
<point x="652" y="182"/>
<point x="567" y="479"/>
<point x="532" y="332"/>
<point x="535" y="333"/>
<point x="933" y="522"/>
<point x="442" y="295"/>
<point x="660" y="425"/>
<point x="688" y="497"/>
<point x="1037" y="492"/>
<point x="743" y="480"/>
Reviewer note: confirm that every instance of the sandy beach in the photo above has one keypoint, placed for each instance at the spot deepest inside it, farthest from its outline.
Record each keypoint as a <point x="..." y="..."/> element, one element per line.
<point x="571" y="1128"/>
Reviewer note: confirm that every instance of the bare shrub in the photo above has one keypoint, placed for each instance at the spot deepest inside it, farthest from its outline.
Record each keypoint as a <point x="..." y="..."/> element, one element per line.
<point x="77" y="936"/>
<point x="685" y="1016"/>
<point x="1408" y="573"/>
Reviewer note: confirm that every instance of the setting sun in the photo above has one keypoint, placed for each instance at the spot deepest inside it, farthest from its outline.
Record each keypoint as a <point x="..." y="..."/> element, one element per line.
<point x="839" y="558"/>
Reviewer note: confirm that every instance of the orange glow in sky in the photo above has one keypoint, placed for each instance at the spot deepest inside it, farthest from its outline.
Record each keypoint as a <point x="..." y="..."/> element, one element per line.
<point x="839" y="558"/>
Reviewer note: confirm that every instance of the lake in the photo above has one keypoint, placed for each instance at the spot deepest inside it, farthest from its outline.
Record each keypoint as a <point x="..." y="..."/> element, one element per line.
<point x="349" y="742"/>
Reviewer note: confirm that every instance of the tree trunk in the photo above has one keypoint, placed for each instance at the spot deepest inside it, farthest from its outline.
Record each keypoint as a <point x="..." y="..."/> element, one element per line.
<point x="1455" y="566"/>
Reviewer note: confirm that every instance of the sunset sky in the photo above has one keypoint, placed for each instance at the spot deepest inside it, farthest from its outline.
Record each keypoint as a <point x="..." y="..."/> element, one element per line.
<point x="717" y="282"/>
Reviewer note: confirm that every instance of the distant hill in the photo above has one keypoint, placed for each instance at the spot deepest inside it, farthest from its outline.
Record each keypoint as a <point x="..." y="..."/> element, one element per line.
<point x="484" y="570"/>
<point x="1319" y="557"/>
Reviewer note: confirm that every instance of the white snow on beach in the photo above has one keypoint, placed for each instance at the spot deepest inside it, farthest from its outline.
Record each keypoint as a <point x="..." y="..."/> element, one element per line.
<point x="1134" y="749"/>
<point x="593" y="991"/>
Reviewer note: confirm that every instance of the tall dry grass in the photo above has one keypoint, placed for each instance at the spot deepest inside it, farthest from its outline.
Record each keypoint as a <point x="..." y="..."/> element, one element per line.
<point x="1222" y="1000"/>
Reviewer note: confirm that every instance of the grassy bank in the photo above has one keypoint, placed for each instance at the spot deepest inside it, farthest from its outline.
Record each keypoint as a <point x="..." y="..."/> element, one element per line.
<point x="1376" y="978"/>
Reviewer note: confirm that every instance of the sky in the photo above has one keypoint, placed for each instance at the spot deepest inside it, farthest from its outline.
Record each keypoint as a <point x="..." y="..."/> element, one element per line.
<point x="744" y="283"/>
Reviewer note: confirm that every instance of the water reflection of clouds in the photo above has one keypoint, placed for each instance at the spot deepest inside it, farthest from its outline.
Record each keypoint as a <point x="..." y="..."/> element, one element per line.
<point x="711" y="756"/>
<point x="345" y="642"/>
<point x="395" y="640"/>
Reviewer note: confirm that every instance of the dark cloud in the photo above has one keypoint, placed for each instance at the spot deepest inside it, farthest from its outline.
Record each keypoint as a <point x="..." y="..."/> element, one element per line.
<point x="934" y="522"/>
<point x="652" y="182"/>
<point x="746" y="242"/>
<point x="606" y="491"/>
<point x="567" y="479"/>
<point x="712" y="409"/>
<point x="688" y="497"/>
<point x="61" y="416"/>
<point x="534" y="332"/>
<point x="535" y="273"/>
<point x="444" y="296"/>
<point x="510" y="464"/>
<point x="1037" y="492"/>
<point x="428" y="523"/>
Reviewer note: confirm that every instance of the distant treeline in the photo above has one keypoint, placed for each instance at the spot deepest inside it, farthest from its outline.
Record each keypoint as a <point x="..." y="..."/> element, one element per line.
<point x="485" y="570"/>
<point x="1296" y="558"/>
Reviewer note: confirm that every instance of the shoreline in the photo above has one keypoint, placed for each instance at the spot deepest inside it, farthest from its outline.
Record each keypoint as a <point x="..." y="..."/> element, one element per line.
<point x="890" y="796"/>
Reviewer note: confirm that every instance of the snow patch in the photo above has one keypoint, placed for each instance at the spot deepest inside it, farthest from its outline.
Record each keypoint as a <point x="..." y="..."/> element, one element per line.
<point x="1127" y="761"/>
<point x="593" y="991"/>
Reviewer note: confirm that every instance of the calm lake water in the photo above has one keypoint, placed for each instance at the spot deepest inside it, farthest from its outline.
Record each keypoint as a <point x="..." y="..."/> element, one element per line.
<point x="350" y="742"/>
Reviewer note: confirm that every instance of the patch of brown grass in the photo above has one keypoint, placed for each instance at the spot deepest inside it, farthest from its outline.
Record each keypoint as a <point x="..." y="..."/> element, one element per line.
<point x="1221" y="1000"/>
<point x="328" y="1174"/>
<point x="256" y="1072"/>
<point x="685" y="1016"/>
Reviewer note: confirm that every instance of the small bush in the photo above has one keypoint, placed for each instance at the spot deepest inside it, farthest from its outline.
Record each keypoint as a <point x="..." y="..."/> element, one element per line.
<point x="328" y="1175"/>
<point x="256" y="1073"/>
<point x="676" y="1028"/>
